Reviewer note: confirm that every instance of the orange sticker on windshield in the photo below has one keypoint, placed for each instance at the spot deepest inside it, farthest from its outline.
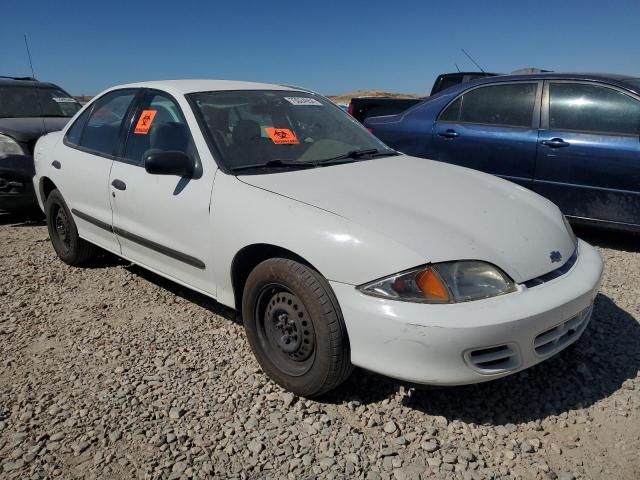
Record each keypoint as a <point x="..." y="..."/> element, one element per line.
<point x="144" y="122"/>
<point x="282" y="136"/>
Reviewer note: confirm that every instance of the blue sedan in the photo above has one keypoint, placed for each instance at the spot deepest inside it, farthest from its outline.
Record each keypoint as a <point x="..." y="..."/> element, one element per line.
<point x="573" y="138"/>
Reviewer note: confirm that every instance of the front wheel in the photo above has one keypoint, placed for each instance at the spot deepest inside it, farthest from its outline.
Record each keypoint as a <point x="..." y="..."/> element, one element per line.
<point x="295" y="327"/>
<point x="71" y="249"/>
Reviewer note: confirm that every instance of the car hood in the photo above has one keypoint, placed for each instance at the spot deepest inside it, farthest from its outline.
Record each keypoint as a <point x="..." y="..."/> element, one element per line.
<point x="27" y="129"/>
<point x="441" y="212"/>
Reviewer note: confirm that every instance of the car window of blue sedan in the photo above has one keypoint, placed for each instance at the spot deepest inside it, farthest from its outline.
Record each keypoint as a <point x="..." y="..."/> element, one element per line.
<point x="510" y="104"/>
<point x="592" y="108"/>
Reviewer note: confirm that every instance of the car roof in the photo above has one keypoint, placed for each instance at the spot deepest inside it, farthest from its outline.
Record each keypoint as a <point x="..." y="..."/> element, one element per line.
<point x="611" y="78"/>
<point x="24" y="81"/>
<point x="468" y="73"/>
<point x="184" y="87"/>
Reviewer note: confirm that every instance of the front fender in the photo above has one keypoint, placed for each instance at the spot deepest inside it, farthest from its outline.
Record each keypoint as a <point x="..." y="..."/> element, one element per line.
<point x="341" y="250"/>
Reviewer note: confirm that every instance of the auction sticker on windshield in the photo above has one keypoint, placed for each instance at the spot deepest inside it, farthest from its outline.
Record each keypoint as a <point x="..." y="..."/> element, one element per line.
<point x="282" y="136"/>
<point x="302" y="101"/>
<point x="63" y="100"/>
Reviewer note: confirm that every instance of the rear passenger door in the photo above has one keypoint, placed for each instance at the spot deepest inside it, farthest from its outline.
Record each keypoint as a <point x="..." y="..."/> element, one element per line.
<point x="162" y="221"/>
<point x="83" y="163"/>
<point x="589" y="154"/>
<point x="492" y="128"/>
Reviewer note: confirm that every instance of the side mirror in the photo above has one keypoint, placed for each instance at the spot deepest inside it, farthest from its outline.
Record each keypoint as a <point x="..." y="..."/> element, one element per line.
<point x="169" y="162"/>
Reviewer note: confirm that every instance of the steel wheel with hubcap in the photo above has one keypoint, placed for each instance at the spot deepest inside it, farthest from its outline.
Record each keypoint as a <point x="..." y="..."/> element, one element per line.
<point x="295" y="329"/>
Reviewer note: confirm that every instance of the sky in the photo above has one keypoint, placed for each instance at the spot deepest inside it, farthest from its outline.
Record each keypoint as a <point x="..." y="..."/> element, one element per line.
<point x="329" y="46"/>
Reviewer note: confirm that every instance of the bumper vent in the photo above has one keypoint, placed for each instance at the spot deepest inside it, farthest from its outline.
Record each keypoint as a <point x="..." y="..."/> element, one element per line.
<point x="560" y="336"/>
<point x="558" y="272"/>
<point x="493" y="359"/>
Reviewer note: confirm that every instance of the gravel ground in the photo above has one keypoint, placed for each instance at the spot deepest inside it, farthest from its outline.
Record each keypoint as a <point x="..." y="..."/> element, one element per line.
<point x="113" y="372"/>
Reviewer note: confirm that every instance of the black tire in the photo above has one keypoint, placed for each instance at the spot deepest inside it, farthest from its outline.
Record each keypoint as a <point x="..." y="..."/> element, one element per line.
<point x="69" y="247"/>
<point x="295" y="328"/>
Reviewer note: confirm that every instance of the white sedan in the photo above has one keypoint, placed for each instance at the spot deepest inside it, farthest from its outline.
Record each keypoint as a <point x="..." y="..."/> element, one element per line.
<point x="337" y="250"/>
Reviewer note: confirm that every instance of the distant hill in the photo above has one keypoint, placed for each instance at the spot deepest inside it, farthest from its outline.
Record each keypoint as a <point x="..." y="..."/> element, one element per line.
<point x="369" y="93"/>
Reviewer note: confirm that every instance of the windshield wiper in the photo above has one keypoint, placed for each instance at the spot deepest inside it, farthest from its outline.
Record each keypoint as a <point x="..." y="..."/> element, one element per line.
<point x="348" y="157"/>
<point x="275" y="163"/>
<point x="357" y="154"/>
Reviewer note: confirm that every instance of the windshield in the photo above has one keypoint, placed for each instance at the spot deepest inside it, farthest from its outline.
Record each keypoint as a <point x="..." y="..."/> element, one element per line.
<point x="23" y="102"/>
<point x="634" y="82"/>
<point x="253" y="128"/>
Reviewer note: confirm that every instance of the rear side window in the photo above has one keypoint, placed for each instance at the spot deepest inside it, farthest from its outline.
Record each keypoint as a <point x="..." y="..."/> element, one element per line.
<point x="452" y="112"/>
<point x="158" y="126"/>
<point x="102" y="128"/>
<point x="75" y="132"/>
<point x="507" y="105"/>
<point x="592" y="108"/>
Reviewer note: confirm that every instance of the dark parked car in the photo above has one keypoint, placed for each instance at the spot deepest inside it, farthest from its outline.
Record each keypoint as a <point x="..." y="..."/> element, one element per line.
<point x="362" y="108"/>
<point x="448" y="80"/>
<point x="573" y="138"/>
<point x="28" y="110"/>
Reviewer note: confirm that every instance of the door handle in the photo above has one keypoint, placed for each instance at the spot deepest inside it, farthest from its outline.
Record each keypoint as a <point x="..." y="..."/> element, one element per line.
<point x="555" y="143"/>
<point x="119" y="184"/>
<point x="448" y="133"/>
<point x="56" y="164"/>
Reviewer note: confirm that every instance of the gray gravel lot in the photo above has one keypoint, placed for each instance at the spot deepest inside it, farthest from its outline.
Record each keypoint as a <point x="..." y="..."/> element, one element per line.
<point x="113" y="372"/>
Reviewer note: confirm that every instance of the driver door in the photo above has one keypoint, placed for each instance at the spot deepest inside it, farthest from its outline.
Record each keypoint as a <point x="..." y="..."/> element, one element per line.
<point x="162" y="222"/>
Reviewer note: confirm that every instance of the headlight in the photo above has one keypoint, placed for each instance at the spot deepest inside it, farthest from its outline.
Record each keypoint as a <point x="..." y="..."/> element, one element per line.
<point x="448" y="282"/>
<point x="8" y="146"/>
<point x="570" y="230"/>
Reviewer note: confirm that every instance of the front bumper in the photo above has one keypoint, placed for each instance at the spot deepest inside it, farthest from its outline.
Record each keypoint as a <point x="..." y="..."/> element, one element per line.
<point x="16" y="183"/>
<point x="475" y="341"/>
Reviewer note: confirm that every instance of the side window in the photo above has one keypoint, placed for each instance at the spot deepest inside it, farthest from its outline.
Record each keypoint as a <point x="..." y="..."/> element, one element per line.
<point x="102" y="129"/>
<point x="74" y="133"/>
<point x="509" y="105"/>
<point x="452" y="112"/>
<point x="592" y="108"/>
<point x="159" y="125"/>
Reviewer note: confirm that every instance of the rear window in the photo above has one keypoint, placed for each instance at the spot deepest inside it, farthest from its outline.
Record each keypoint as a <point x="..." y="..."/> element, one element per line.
<point x="25" y="102"/>
<point x="508" y="105"/>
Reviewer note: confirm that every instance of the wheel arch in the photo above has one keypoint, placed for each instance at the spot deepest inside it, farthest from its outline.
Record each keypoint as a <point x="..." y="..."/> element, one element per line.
<point x="46" y="186"/>
<point x="248" y="257"/>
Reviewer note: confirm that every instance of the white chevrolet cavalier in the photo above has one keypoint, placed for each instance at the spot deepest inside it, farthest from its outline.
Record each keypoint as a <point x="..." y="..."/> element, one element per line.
<point x="338" y="250"/>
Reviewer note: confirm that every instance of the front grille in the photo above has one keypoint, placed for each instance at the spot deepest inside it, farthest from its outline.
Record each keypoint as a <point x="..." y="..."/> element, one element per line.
<point x="556" y="338"/>
<point x="491" y="360"/>
<point x="11" y="187"/>
<point x="534" y="282"/>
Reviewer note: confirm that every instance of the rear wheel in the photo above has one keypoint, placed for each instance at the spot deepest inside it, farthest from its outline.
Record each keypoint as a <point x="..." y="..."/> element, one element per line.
<point x="295" y="327"/>
<point x="69" y="247"/>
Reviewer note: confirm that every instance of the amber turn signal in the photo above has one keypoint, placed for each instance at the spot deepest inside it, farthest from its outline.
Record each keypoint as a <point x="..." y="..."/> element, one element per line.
<point x="431" y="285"/>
